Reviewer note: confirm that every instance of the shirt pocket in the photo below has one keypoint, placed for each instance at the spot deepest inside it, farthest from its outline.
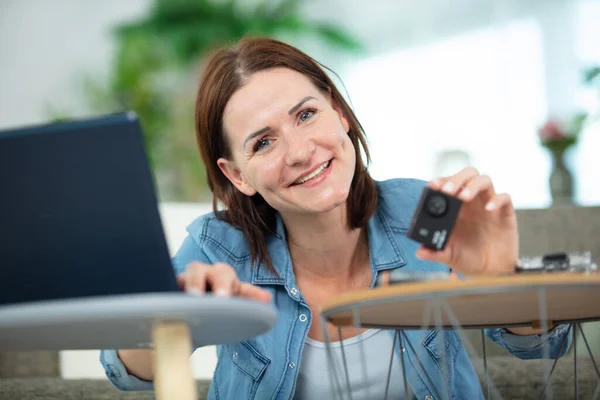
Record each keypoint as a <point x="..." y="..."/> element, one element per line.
<point x="437" y="343"/>
<point x="239" y="372"/>
<point x="441" y="345"/>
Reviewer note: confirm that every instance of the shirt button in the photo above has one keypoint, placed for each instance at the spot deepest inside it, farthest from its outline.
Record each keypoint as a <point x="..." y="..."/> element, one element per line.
<point x="429" y="397"/>
<point x="292" y="365"/>
<point x="303" y="318"/>
<point x="294" y="291"/>
<point x="235" y="355"/>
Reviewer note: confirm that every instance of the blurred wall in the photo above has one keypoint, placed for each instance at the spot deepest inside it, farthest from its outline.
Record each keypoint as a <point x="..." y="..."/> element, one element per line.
<point x="47" y="47"/>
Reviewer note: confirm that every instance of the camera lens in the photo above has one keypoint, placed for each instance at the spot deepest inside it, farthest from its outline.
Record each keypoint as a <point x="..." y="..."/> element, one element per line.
<point x="437" y="205"/>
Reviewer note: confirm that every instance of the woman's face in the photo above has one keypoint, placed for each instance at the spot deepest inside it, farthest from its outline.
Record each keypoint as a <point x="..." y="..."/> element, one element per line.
<point x="289" y="143"/>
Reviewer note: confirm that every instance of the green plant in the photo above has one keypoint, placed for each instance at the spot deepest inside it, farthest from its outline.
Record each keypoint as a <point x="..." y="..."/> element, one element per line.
<point x="158" y="61"/>
<point x="591" y="75"/>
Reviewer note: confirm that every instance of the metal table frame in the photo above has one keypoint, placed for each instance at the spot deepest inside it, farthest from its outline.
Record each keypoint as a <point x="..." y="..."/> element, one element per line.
<point x="436" y="307"/>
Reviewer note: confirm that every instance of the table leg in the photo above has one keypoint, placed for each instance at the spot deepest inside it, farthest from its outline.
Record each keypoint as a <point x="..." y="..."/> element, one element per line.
<point x="173" y="379"/>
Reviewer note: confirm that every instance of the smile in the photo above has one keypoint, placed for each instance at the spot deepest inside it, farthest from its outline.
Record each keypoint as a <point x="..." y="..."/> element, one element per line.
<point x="313" y="174"/>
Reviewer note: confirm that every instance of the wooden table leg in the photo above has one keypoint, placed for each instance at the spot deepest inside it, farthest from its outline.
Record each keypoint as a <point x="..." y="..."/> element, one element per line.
<point x="173" y="378"/>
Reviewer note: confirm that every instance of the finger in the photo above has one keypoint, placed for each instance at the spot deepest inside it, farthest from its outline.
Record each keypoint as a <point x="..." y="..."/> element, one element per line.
<point x="194" y="278"/>
<point x="254" y="292"/>
<point x="223" y="280"/>
<point x="501" y="202"/>
<point x="444" y="256"/>
<point x="477" y="185"/>
<point x="453" y="184"/>
<point x="437" y="183"/>
<point x="181" y="280"/>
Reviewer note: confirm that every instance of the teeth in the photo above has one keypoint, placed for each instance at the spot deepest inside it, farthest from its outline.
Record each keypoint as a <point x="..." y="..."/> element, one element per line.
<point x="313" y="174"/>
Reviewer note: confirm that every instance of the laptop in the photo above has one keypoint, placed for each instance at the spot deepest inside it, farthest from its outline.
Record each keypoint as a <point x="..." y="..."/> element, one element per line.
<point x="79" y="213"/>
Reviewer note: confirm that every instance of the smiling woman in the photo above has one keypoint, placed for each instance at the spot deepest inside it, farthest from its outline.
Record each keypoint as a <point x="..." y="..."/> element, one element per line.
<point x="267" y="118"/>
<point x="298" y="219"/>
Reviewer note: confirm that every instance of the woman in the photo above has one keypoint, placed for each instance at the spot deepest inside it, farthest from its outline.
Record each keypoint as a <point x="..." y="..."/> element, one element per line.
<point x="304" y="221"/>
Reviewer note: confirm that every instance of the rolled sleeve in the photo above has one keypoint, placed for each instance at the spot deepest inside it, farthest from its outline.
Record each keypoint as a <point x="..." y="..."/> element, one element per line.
<point x="117" y="373"/>
<point x="529" y="347"/>
<point x="189" y="251"/>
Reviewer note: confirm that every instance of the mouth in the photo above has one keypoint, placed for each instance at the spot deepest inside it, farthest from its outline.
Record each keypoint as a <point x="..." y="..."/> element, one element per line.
<point x="315" y="174"/>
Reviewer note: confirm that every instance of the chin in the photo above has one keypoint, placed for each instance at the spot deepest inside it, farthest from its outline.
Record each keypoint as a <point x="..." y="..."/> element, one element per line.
<point x="328" y="202"/>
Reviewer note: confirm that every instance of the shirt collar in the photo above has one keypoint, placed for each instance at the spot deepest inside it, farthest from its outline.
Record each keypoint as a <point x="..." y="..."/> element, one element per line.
<point x="385" y="252"/>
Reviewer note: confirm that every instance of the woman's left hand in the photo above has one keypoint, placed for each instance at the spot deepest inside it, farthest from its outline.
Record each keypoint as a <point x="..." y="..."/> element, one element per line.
<point x="485" y="238"/>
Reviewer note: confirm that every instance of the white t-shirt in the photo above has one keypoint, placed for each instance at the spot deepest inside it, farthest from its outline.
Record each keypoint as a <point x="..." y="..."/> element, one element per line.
<point x="367" y="380"/>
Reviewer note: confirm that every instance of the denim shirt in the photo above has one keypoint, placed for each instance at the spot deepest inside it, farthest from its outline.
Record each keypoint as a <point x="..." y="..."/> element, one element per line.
<point x="267" y="366"/>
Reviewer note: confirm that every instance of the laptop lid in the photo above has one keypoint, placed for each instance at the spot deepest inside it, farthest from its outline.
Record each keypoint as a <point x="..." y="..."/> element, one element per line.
<point x="78" y="212"/>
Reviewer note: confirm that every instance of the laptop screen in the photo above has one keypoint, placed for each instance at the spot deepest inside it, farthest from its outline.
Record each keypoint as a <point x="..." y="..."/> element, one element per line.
<point x="78" y="212"/>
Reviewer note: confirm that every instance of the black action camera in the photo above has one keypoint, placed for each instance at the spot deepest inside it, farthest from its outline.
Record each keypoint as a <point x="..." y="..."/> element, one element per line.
<point x="434" y="219"/>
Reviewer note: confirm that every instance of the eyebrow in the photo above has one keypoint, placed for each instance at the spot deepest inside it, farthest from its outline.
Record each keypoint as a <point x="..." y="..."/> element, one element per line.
<point x="297" y="106"/>
<point x="255" y="134"/>
<point x="267" y="128"/>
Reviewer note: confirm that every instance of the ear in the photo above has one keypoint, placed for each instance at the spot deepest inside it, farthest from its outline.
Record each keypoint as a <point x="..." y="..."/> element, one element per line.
<point x="232" y="172"/>
<point x="340" y="112"/>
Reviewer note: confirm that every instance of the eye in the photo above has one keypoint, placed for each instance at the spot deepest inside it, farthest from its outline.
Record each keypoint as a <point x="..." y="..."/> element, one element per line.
<point x="306" y="114"/>
<point x="261" y="144"/>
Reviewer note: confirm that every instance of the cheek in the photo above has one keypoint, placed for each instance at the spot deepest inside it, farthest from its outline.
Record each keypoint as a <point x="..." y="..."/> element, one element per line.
<point x="333" y="131"/>
<point x="343" y="131"/>
<point x="346" y="141"/>
<point x="348" y="150"/>
<point x="265" y="173"/>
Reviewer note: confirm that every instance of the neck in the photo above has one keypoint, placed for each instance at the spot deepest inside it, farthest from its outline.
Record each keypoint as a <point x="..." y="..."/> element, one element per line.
<point x="323" y="246"/>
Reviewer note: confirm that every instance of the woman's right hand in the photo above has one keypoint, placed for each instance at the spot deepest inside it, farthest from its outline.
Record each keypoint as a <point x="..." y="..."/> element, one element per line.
<point x="221" y="280"/>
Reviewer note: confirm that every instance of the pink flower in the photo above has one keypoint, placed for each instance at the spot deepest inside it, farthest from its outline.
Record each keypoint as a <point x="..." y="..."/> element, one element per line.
<point x="552" y="130"/>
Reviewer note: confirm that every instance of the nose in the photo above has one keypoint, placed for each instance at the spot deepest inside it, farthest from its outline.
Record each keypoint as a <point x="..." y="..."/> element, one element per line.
<point x="299" y="150"/>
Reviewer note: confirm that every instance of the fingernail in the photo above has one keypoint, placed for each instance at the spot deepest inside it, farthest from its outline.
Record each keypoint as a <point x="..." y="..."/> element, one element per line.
<point x="193" y="291"/>
<point x="465" y="193"/>
<point x="222" y="293"/>
<point x="490" y="206"/>
<point x="436" y="182"/>
<point x="448" y="187"/>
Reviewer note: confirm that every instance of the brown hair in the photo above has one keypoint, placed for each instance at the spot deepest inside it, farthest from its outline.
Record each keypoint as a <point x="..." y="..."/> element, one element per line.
<point x="225" y="72"/>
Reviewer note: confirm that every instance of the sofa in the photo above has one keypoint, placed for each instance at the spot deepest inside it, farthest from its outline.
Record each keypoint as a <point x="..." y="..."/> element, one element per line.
<point x="514" y="379"/>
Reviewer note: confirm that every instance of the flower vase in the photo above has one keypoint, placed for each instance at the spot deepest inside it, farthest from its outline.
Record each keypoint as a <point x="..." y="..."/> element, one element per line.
<point x="561" y="179"/>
